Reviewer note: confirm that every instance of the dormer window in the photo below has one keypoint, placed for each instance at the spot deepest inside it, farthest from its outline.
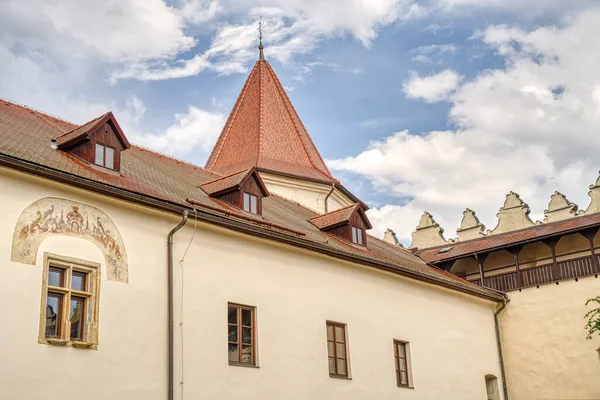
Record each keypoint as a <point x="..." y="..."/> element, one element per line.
<point x="349" y="223"/>
<point x="250" y="203"/>
<point x="99" y="142"/>
<point x="244" y="190"/>
<point x="357" y="235"/>
<point x="105" y="156"/>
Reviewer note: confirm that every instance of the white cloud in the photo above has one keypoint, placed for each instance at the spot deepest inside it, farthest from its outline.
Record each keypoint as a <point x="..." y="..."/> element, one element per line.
<point x="432" y="88"/>
<point x="532" y="7"/>
<point x="198" y="11"/>
<point x="194" y="131"/>
<point x="292" y="28"/>
<point x="531" y="127"/>
<point x="111" y="30"/>
<point x="427" y="53"/>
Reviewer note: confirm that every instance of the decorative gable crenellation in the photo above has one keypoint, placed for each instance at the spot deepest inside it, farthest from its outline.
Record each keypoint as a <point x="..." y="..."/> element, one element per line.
<point x="428" y="233"/>
<point x="559" y="208"/>
<point x="470" y="227"/>
<point x="512" y="216"/>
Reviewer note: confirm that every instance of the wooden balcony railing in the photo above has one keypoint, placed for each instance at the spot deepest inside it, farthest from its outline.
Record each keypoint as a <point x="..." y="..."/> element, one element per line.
<point x="568" y="269"/>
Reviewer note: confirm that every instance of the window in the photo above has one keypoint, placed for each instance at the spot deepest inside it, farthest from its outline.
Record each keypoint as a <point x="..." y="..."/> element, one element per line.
<point x="401" y="356"/>
<point x="357" y="235"/>
<point x="69" y="302"/>
<point x="105" y="156"/>
<point x="241" y="334"/>
<point x="250" y="203"/>
<point x="337" y="349"/>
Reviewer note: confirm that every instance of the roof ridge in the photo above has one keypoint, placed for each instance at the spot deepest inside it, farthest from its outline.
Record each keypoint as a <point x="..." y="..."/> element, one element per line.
<point x="260" y="111"/>
<point x="216" y="151"/>
<point x="40" y="113"/>
<point x="394" y="246"/>
<point x="143" y="148"/>
<point x="290" y="108"/>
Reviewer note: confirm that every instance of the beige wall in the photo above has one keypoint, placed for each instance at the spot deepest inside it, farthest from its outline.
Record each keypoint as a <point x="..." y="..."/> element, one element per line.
<point x="130" y="360"/>
<point x="309" y="194"/>
<point x="451" y="335"/>
<point x="546" y="354"/>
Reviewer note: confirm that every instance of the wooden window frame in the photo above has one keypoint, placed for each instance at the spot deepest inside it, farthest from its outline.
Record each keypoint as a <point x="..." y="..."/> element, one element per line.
<point x="335" y="357"/>
<point x="105" y="146"/>
<point x="239" y="343"/>
<point x="250" y="197"/>
<point x="403" y="361"/>
<point x="89" y="314"/>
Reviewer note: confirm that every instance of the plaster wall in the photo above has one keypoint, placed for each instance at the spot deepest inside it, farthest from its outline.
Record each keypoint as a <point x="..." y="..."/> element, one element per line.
<point x="452" y="338"/>
<point x="130" y="360"/>
<point x="451" y="335"/>
<point x="546" y="354"/>
<point x="310" y="194"/>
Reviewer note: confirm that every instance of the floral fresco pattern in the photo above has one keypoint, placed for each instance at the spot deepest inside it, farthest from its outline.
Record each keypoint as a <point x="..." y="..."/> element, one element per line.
<point x="53" y="216"/>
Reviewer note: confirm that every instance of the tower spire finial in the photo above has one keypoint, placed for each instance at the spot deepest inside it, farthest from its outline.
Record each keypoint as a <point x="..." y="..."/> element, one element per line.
<point x="261" y="55"/>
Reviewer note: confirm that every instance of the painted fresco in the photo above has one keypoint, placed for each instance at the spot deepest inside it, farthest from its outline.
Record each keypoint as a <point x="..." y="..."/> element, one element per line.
<point x="53" y="216"/>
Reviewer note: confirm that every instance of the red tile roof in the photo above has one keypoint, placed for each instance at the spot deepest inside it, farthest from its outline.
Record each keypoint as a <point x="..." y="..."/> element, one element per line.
<point x="264" y="131"/>
<point x="339" y="216"/>
<point x="25" y="136"/>
<point x="492" y="242"/>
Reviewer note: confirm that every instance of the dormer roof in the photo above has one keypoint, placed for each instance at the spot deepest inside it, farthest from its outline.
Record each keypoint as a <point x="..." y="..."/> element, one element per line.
<point x="82" y="132"/>
<point x="339" y="217"/>
<point x="233" y="182"/>
<point x="264" y="131"/>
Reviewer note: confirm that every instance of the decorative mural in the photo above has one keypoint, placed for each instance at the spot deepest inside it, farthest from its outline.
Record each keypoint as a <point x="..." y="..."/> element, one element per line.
<point x="53" y="216"/>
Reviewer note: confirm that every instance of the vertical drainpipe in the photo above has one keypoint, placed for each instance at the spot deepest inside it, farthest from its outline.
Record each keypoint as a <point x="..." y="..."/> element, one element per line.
<point x="171" y="378"/>
<point x="499" y="342"/>
<point x="327" y="197"/>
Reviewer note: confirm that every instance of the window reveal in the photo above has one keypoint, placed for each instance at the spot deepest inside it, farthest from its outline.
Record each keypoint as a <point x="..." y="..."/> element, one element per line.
<point x="357" y="235"/>
<point x="401" y="358"/>
<point x="250" y="203"/>
<point x="337" y="349"/>
<point x="241" y="334"/>
<point x="69" y="302"/>
<point x="105" y="156"/>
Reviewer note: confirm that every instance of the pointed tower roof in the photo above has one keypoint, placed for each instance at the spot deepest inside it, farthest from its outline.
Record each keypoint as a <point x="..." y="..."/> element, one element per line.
<point x="264" y="131"/>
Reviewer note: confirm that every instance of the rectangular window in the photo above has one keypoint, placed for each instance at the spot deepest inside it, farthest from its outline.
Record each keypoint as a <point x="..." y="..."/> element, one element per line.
<point x="401" y="356"/>
<point x="337" y="349"/>
<point x="105" y="156"/>
<point x="250" y="203"/>
<point x="357" y="235"/>
<point x="70" y="292"/>
<point x="241" y="333"/>
<point x="109" y="158"/>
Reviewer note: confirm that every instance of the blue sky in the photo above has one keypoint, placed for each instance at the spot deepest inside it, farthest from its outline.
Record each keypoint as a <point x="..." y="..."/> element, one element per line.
<point x="430" y="105"/>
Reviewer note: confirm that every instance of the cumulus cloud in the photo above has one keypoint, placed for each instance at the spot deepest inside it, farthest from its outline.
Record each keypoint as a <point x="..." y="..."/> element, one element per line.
<point x="193" y="131"/>
<point x="432" y="88"/>
<point x="530" y="126"/>
<point x="111" y="30"/>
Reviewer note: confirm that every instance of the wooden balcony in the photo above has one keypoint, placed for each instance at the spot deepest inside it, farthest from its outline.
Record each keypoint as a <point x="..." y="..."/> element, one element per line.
<point x="542" y="274"/>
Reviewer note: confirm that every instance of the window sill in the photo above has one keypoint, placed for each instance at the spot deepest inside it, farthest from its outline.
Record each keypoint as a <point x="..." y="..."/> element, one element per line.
<point x="245" y="365"/>
<point x="81" y="345"/>
<point x="347" y="378"/>
<point x="56" y="342"/>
